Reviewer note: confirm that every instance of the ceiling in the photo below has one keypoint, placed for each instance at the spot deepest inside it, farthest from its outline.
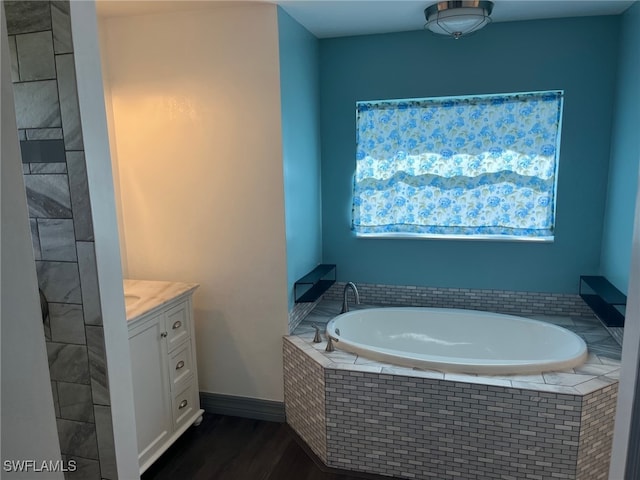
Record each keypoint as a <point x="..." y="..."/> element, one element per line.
<point x="337" y="18"/>
<point x="340" y="18"/>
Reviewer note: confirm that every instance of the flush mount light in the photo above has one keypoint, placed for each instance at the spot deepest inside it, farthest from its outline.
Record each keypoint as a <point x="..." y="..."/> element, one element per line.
<point x="458" y="18"/>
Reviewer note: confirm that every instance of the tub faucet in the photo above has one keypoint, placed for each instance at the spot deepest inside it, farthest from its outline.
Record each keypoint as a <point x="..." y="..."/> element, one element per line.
<point x="316" y="337"/>
<point x="345" y="305"/>
<point x="330" y="340"/>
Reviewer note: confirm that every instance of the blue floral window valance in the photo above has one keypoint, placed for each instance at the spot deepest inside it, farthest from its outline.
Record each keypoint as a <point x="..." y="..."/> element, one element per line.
<point x="464" y="166"/>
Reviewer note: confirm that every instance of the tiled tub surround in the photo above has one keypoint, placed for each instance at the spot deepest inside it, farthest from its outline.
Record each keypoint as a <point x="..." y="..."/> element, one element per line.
<point x="499" y="301"/>
<point x="299" y="312"/>
<point x="48" y="119"/>
<point x="413" y="423"/>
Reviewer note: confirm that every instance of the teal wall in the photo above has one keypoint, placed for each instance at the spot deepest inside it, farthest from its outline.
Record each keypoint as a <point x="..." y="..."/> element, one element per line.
<point x="577" y="55"/>
<point x="299" y="85"/>
<point x="625" y="157"/>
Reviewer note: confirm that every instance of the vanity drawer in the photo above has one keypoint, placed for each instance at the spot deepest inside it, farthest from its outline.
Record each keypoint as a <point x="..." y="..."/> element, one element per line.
<point x="177" y="319"/>
<point x="184" y="405"/>
<point x="180" y="365"/>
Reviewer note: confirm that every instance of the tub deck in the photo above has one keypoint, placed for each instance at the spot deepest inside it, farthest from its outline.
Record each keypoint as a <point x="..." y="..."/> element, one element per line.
<point x="601" y="368"/>
<point x="367" y="416"/>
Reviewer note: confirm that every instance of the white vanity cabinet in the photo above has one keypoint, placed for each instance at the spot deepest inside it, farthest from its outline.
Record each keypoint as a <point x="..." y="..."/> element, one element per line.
<point x="163" y="366"/>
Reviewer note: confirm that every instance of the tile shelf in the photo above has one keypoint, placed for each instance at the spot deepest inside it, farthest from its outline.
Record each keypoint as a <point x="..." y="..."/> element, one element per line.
<point x="606" y="301"/>
<point x="311" y="287"/>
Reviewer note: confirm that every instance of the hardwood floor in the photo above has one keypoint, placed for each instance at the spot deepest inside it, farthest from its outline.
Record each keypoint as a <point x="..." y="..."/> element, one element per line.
<point x="232" y="448"/>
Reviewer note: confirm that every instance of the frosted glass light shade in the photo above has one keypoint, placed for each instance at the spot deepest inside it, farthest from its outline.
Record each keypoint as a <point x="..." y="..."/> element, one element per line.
<point x="458" y="18"/>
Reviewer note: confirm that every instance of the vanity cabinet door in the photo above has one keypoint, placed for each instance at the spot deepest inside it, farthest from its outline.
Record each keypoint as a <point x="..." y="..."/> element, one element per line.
<point x="149" y="368"/>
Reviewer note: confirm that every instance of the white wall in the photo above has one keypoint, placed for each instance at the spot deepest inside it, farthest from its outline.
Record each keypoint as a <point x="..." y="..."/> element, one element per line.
<point x="28" y="420"/>
<point x="630" y="359"/>
<point x="196" y="124"/>
<point x="103" y="211"/>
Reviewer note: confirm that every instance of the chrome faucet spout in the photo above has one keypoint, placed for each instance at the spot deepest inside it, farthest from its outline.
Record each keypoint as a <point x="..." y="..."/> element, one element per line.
<point x="345" y="304"/>
<point x="330" y="340"/>
<point x="316" y="337"/>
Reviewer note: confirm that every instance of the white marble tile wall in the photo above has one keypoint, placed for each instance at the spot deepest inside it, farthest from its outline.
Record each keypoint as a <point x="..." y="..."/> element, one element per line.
<point x="80" y="196"/>
<point x="44" y="134"/>
<point x="45" y="168"/>
<point x="79" y="437"/>
<point x="61" y="25"/>
<point x="60" y="281"/>
<point x="48" y="118"/>
<point x="89" y="283"/>
<point x="57" y="239"/>
<point x="69" y="102"/>
<point x="48" y="196"/>
<point x="67" y="323"/>
<point x="106" y="446"/>
<point x="35" y="56"/>
<point x="68" y="363"/>
<point x="37" y="104"/>
<point x="15" y="73"/>
<point x="35" y="238"/>
<point x="74" y="401"/>
<point x="97" y="365"/>
<point x="27" y="17"/>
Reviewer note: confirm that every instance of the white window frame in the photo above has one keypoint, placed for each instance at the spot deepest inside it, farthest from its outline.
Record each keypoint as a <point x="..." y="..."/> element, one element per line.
<point x="469" y="236"/>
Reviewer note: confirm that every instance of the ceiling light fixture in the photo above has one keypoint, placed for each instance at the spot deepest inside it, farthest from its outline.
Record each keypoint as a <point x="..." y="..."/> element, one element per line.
<point x="458" y="18"/>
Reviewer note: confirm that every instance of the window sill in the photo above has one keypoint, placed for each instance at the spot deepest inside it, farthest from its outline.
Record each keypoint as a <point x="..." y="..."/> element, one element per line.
<point x="427" y="236"/>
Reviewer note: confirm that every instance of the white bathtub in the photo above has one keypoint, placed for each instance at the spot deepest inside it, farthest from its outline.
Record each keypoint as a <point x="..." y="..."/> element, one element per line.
<point x="453" y="340"/>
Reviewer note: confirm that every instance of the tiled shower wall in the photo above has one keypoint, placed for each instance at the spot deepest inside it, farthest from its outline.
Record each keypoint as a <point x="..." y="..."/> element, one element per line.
<point x="48" y="118"/>
<point x="500" y="301"/>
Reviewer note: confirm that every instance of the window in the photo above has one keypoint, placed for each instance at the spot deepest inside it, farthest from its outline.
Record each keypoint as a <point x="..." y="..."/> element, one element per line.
<point x="473" y="167"/>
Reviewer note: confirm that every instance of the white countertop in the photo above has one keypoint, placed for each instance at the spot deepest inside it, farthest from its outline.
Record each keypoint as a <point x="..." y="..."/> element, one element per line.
<point x="144" y="296"/>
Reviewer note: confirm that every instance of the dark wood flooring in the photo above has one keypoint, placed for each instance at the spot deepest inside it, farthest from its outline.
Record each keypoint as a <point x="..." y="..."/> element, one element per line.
<point x="232" y="448"/>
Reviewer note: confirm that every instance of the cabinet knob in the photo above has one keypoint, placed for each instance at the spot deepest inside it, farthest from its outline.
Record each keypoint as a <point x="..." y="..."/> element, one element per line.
<point x="180" y="364"/>
<point x="177" y="325"/>
<point x="183" y="404"/>
<point x="164" y="334"/>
